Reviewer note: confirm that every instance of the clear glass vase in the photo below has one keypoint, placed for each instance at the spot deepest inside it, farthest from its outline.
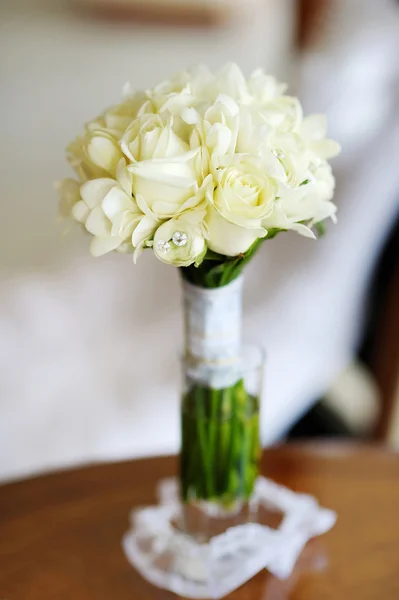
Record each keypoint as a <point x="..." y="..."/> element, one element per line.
<point x="220" y="451"/>
<point x="222" y="383"/>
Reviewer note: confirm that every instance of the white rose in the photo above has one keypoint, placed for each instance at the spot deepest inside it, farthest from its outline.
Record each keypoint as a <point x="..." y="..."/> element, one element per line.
<point x="195" y="86"/>
<point x="172" y="95"/>
<point x="117" y="119"/>
<point x="181" y="240"/>
<point x="155" y="136"/>
<point x="80" y="162"/>
<point x="96" y="154"/>
<point x="228" y="239"/>
<point x="201" y="152"/>
<point x="167" y="174"/>
<point x="103" y="150"/>
<point x="244" y="194"/>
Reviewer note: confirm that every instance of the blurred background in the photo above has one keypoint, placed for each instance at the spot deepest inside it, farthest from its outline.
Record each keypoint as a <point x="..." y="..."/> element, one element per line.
<point x="89" y="348"/>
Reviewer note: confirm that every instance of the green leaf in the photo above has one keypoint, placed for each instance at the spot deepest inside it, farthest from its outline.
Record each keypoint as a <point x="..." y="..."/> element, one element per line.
<point x="320" y="228"/>
<point x="200" y="258"/>
<point x="217" y="270"/>
<point x="210" y="255"/>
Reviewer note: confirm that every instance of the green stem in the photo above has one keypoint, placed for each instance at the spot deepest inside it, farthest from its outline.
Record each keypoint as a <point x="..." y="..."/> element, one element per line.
<point x="217" y="270"/>
<point x="213" y="430"/>
<point x="231" y="475"/>
<point x="223" y="441"/>
<point x="220" y="444"/>
<point x="206" y="470"/>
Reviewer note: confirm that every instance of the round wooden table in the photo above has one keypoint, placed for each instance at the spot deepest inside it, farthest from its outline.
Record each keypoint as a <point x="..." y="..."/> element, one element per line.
<point x="60" y="534"/>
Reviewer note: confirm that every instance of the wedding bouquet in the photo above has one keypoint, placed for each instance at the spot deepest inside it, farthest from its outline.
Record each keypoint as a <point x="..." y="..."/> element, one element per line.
<point x="201" y="169"/>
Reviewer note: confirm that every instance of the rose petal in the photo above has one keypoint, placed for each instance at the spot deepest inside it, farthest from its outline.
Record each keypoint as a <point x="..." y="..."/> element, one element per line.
<point x="227" y="238"/>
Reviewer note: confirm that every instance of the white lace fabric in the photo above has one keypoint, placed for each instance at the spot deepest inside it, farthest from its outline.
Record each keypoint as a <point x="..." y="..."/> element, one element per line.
<point x="174" y="561"/>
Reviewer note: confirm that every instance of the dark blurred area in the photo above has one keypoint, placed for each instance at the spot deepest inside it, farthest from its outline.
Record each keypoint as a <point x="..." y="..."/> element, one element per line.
<point x="83" y="366"/>
<point x="377" y="361"/>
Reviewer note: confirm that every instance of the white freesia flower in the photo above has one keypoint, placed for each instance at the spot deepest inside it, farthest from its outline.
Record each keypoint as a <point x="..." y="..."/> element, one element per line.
<point x="289" y="149"/>
<point x="309" y="203"/>
<point x="127" y="220"/>
<point x="206" y="86"/>
<point x="231" y="81"/>
<point x="202" y="83"/>
<point x="109" y="212"/>
<point x="253" y="134"/>
<point x="88" y="211"/>
<point x="284" y="113"/>
<point x="69" y="191"/>
<point x="322" y="180"/>
<point x="215" y="157"/>
<point x="264" y="88"/>
<point x="313" y="131"/>
<point x="181" y="240"/>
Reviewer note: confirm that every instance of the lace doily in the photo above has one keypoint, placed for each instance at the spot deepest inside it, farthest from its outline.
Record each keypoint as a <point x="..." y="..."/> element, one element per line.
<point x="172" y="560"/>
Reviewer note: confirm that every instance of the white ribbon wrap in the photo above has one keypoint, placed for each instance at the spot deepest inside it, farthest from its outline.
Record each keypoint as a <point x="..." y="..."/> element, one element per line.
<point x="213" y="320"/>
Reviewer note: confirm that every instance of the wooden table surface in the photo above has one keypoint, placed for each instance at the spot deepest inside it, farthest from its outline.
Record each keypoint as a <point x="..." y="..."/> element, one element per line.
<point x="60" y="534"/>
